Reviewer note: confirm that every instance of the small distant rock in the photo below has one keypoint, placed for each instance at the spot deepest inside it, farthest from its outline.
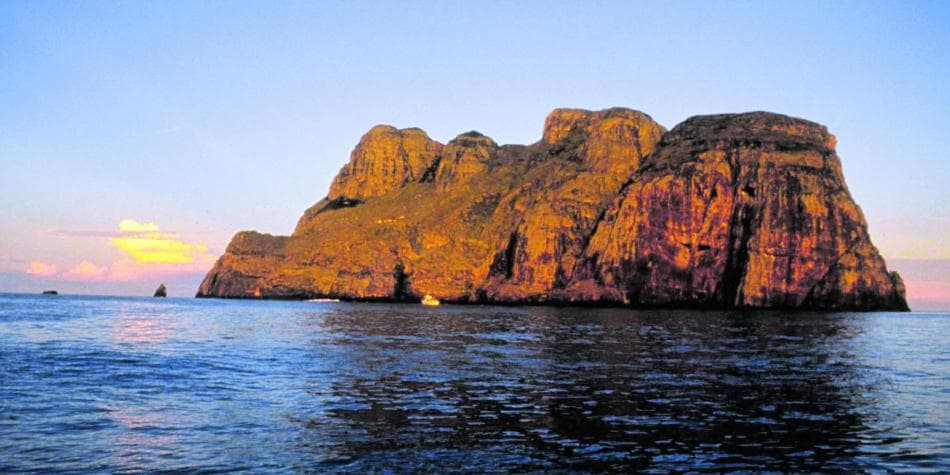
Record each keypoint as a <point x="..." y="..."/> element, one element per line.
<point x="160" y="291"/>
<point x="50" y="292"/>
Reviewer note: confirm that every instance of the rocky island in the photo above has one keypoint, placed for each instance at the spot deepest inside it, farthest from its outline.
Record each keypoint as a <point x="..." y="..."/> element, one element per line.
<point x="608" y="208"/>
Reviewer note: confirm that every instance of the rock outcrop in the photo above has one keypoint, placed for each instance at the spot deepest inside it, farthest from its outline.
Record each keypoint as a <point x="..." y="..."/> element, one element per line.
<point x="386" y="158"/>
<point x="464" y="157"/>
<point x="160" y="291"/>
<point x="724" y="211"/>
<point x="542" y="227"/>
<point x="739" y="210"/>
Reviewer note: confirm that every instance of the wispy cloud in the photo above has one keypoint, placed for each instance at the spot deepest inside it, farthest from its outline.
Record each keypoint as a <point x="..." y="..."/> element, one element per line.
<point x="169" y="130"/>
<point x="79" y="233"/>
<point x="126" y="226"/>
<point x="125" y="270"/>
<point x="146" y="245"/>
<point x="42" y="269"/>
<point x="133" y="226"/>
<point x="158" y="248"/>
<point x="149" y="253"/>
<point x="14" y="261"/>
<point x="926" y="290"/>
<point x="85" y="270"/>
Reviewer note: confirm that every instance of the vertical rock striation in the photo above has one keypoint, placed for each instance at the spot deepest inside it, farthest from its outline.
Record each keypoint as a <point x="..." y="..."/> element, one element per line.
<point x="735" y="210"/>
<point x="464" y="157"/>
<point x="739" y="210"/>
<point x="386" y="158"/>
<point x="541" y="228"/>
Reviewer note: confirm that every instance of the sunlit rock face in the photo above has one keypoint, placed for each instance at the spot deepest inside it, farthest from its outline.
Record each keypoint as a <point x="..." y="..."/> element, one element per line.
<point x="737" y="210"/>
<point x="386" y="158"/>
<point x="464" y="157"/>
<point x="248" y="260"/>
<point x="542" y="226"/>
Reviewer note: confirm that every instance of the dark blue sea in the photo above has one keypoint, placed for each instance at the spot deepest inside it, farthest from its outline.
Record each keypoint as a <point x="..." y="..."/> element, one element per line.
<point x="105" y="384"/>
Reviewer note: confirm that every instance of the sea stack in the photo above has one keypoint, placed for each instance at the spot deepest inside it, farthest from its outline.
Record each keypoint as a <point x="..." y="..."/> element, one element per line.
<point x="608" y="208"/>
<point x="160" y="291"/>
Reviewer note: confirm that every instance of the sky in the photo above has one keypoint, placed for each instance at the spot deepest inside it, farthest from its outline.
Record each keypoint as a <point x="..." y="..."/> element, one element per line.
<point x="189" y="121"/>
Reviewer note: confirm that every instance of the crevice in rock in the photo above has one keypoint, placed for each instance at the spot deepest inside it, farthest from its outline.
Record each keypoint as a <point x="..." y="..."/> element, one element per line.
<point x="510" y="253"/>
<point x="339" y="203"/>
<point x="429" y="175"/>
<point x="740" y="231"/>
<point x="401" y="289"/>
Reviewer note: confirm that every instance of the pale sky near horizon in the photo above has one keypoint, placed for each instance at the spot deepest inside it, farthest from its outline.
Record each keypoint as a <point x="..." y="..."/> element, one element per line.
<point x="195" y="120"/>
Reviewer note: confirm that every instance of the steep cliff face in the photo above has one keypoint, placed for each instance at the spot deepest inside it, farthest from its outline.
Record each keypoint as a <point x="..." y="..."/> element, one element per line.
<point x="541" y="228"/>
<point x="740" y="210"/>
<point x="242" y="270"/>
<point x="463" y="158"/>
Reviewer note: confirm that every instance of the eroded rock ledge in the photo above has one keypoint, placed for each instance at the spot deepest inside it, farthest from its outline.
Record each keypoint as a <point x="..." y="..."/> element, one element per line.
<point x="608" y="208"/>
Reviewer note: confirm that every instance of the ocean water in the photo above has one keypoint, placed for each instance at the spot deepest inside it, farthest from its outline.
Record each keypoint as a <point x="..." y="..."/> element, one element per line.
<point x="108" y="384"/>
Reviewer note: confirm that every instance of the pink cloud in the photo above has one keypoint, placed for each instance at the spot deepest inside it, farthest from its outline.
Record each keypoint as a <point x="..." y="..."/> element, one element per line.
<point x="128" y="269"/>
<point x="42" y="269"/>
<point x="149" y="254"/>
<point x="79" y="233"/>
<point x="85" y="270"/>
<point x="928" y="290"/>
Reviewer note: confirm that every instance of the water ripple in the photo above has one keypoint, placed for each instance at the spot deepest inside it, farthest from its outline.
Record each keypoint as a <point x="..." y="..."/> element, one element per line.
<point x="122" y="384"/>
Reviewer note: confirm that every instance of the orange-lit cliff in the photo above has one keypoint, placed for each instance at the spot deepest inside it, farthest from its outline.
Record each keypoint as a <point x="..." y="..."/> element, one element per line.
<point x="723" y="211"/>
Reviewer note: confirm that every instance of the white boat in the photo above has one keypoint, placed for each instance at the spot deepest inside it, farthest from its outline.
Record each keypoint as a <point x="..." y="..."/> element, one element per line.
<point x="323" y="300"/>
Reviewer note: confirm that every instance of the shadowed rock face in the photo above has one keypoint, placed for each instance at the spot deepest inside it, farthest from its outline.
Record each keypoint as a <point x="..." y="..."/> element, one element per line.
<point x="735" y="210"/>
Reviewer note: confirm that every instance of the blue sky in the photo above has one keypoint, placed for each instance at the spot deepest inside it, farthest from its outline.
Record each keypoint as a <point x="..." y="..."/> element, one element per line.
<point x="206" y="118"/>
